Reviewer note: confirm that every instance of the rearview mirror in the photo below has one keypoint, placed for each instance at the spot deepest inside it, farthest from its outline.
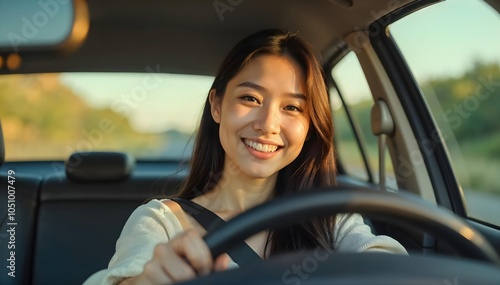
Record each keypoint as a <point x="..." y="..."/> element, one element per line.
<point x="41" y="26"/>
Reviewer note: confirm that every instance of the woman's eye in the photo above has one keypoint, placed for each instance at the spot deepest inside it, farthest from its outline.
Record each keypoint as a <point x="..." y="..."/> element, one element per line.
<point x="292" y="108"/>
<point x="250" y="98"/>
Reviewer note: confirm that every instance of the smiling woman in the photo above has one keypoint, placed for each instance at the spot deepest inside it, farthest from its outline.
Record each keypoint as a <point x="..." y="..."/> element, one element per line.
<point x="266" y="131"/>
<point x="132" y="88"/>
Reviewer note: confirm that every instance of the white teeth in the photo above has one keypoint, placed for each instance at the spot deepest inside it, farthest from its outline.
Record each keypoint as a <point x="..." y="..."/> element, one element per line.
<point x="261" y="147"/>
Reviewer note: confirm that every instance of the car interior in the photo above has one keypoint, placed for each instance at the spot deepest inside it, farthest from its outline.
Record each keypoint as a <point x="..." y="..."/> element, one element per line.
<point x="70" y="212"/>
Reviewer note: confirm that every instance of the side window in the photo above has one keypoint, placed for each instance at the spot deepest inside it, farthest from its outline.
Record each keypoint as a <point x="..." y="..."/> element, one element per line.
<point x="346" y="146"/>
<point x="452" y="49"/>
<point x="357" y="99"/>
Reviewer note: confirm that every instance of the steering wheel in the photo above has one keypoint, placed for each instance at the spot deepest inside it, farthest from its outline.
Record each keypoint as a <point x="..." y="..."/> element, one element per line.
<point x="401" y="208"/>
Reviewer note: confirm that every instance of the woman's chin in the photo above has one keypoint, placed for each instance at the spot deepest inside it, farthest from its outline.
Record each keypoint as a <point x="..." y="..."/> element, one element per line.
<point x="259" y="173"/>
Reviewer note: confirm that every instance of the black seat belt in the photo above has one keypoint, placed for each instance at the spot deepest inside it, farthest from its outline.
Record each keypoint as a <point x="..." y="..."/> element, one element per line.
<point x="241" y="253"/>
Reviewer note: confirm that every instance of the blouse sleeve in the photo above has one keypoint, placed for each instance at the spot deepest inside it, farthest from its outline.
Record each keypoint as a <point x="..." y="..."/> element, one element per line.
<point x="351" y="234"/>
<point x="148" y="225"/>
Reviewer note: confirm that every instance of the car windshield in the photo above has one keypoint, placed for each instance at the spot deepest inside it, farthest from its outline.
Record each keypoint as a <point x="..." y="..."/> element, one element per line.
<point x="150" y="115"/>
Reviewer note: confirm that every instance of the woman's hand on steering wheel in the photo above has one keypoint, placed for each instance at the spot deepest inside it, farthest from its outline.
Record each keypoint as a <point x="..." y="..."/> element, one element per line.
<point x="185" y="257"/>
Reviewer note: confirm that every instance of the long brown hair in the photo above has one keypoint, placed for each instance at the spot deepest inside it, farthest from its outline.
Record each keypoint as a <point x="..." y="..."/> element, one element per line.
<point x="314" y="166"/>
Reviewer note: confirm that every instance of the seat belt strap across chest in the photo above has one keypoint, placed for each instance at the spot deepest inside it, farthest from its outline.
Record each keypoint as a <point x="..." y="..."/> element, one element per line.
<point x="241" y="253"/>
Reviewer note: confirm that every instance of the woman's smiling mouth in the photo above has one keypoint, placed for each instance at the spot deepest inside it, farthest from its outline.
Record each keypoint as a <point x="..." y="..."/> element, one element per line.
<point x="260" y="147"/>
<point x="261" y="150"/>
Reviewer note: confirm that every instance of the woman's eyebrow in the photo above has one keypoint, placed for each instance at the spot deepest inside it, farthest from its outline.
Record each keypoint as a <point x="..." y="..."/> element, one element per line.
<point x="252" y="85"/>
<point x="263" y="89"/>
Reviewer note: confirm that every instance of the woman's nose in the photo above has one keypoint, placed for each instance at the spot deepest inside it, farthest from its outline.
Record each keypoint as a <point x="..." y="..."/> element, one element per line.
<point x="267" y="120"/>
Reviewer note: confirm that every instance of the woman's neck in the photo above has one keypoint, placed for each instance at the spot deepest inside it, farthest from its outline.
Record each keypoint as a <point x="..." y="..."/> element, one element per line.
<point x="235" y="192"/>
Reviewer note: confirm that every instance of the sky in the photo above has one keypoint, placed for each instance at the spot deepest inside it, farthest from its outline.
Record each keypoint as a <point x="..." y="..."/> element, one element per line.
<point x="461" y="31"/>
<point x="172" y="102"/>
<point x="441" y="40"/>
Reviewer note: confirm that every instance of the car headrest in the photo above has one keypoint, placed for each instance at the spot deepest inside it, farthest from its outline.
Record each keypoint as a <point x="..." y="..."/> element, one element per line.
<point x="99" y="166"/>
<point x="2" y="147"/>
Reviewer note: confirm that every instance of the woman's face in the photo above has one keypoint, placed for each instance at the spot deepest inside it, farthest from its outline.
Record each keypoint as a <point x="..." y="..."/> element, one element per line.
<point x="263" y="116"/>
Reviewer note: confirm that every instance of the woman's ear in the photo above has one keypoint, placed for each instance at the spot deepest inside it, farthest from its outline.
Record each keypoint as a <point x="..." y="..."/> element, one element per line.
<point x="215" y="105"/>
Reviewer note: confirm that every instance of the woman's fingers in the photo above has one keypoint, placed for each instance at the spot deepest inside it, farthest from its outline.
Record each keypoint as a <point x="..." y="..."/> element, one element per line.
<point x="172" y="264"/>
<point x="193" y="248"/>
<point x="221" y="262"/>
<point x="153" y="273"/>
<point x="183" y="258"/>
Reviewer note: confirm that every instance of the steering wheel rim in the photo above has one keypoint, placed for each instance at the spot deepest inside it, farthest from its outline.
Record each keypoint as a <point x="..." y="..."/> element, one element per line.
<point x="398" y="208"/>
<point x="319" y="267"/>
